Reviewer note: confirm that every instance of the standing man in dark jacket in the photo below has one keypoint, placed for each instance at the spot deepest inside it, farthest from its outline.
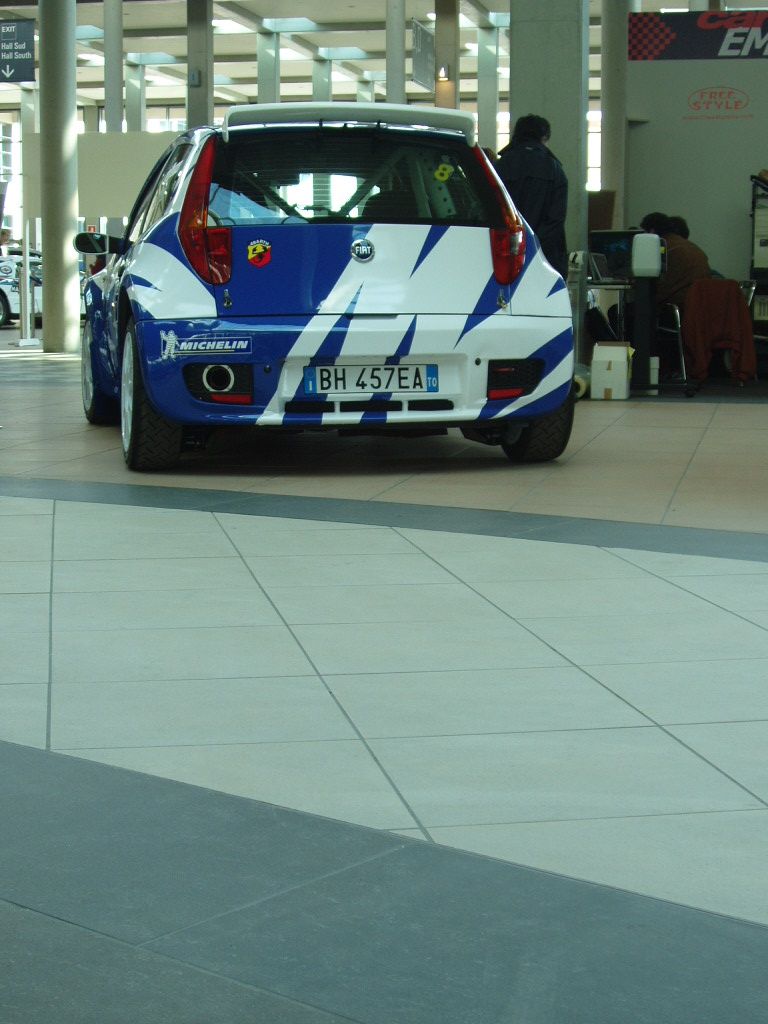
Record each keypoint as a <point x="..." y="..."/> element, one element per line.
<point x="535" y="179"/>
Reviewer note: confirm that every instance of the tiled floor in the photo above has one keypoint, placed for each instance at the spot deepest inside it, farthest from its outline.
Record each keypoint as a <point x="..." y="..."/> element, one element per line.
<point x="563" y="667"/>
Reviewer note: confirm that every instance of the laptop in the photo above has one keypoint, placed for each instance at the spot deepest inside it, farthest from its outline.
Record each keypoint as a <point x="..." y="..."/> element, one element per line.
<point x="598" y="267"/>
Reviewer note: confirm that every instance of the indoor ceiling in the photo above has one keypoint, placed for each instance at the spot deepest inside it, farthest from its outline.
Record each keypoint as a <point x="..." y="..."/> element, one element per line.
<point x="351" y="33"/>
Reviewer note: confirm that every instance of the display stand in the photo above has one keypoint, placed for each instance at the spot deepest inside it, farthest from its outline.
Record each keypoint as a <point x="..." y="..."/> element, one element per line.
<point x="759" y="262"/>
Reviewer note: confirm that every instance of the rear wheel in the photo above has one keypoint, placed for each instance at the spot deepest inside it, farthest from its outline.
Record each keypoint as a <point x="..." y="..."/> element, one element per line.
<point x="98" y="407"/>
<point x="543" y="439"/>
<point x="150" y="441"/>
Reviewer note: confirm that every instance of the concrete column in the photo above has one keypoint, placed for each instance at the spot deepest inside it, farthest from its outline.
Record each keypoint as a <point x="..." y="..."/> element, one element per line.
<point x="366" y="91"/>
<point x="58" y="177"/>
<point x="29" y="118"/>
<point x="549" y="76"/>
<point x="199" y="63"/>
<point x="268" y="67"/>
<point x="321" y="79"/>
<point x="113" y="65"/>
<point x="613" y="101"/>
<point x="136" y="98"/>
<point x="447" y="52"/>
<point x="395" y="64"/>
<point x="487" y="85"/>
<point x="29" y="114"/>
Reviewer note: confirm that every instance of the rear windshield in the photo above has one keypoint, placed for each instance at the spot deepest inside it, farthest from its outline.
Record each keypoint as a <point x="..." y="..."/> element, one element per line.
<point x="346" y="175"/>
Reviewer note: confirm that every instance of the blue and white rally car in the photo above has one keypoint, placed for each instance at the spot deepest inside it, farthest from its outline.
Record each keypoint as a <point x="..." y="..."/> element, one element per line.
<point x="327" y="266"/>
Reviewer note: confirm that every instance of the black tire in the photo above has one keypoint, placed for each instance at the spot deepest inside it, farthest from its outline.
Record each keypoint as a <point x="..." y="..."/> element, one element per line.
<point x="543" y="439"/>
<point x="150" y="441"/>
<point x="5" y="310"/>
<point x="98" y="407"/>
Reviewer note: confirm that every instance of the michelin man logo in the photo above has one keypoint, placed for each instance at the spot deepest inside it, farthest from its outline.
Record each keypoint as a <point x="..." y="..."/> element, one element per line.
<point x="169" y="341"/>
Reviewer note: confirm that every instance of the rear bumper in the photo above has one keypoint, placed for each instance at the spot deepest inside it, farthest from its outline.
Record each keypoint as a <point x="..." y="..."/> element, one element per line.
<point x="271" y="356"/>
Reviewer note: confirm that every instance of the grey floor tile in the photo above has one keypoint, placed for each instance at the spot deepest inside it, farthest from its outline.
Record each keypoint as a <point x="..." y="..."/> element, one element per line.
<point x="672" y="564"/>
<point x="712" y="635"/>
<point x="425" y="936"/>
<point x="25" y="613"/>
<point x="24" y="657"/>
<point x="26" y="538"/>
<point x="738" y="748"/>
<point x="77" y="539"/>
<point x="437" y="602"/>
<point x="25" y="506"/>
<point x="526" y="599"/>
<point x="24" y="713"/>
<point x="340" y="570"/>
<point x="336" y="778"/>
<point x="164" y="609"/>
<point x="502" y="559"/>
<point x="423" y="646"/>
<point x="135" y="857"/>
<point x="145" y="654"/>
<point x="374" y="540"/>
<point x="104" y="575"/>
<point x="715" y="862"/>
<point x="197" y="711"/>
<point x="717" y="691"/>
<point x="460" y="780"/>
<point x="490" y="701"/>
<point x="25" y="577"/>
<point x="54" y="971"/>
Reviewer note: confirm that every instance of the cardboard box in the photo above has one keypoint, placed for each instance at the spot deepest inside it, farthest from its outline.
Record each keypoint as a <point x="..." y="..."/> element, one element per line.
<point x="611" y="367"/>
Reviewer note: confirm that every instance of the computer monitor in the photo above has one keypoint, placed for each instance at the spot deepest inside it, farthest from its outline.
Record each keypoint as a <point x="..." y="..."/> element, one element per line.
<point x="616" y="246"/>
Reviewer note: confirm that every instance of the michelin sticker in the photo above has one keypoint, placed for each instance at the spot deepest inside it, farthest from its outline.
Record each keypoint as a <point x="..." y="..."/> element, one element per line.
<point x="172" y="345"/>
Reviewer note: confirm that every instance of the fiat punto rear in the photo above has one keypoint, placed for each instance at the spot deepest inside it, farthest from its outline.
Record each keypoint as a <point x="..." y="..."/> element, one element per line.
<point x="328" y="266"/>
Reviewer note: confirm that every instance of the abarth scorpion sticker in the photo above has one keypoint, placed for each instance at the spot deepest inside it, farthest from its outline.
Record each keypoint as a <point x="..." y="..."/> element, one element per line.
<point x="259" y="252"/>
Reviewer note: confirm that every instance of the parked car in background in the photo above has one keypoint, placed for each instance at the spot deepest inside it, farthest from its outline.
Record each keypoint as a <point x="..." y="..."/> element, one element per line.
<point x="10" y="299"/>
<point x="327" y="266"/>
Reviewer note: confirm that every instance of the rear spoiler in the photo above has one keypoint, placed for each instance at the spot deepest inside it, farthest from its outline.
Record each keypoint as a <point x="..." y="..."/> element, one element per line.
<point x="262" y="115"/>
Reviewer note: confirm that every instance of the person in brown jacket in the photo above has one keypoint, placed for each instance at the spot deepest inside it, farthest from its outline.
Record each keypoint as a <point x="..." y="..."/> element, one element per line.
<point x="686" y="262"/>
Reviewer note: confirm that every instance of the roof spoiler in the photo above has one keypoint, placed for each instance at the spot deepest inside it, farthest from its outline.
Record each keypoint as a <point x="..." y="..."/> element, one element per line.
<point x="382" y="114"/>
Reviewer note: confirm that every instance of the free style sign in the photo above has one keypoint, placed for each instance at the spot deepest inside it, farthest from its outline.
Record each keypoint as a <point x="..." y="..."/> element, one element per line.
<point x="698" y="35"/>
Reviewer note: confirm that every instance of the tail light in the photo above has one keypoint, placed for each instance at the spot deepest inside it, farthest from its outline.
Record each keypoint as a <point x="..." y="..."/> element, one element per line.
<point x="507" y="243"/>
<point x="209" y="250"/>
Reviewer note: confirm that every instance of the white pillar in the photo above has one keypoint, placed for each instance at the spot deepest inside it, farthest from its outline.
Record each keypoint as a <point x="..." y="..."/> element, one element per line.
<point x="199" y="63"/>
<point x="321" y="79"/>
<point x="395" y="63"/>
<point x="447" y="93"/>
<point x="613" y="102"/>
<point x="268" y="67"/>
<point x="113" y="65"/>
<point x="136" y="98"/>
<point x="549" y="76"/>
<point x="487" y="86"/>
<point x="58" y="178"/>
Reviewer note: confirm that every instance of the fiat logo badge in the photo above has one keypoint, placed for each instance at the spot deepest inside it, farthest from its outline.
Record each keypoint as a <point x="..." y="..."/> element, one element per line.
<point x="362" y="250"/>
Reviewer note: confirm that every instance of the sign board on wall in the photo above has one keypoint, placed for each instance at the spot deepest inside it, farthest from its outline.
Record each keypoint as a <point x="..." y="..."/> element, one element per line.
<point x="698" y="35"/>
<point x="17" y="51"/>
<point x="697" y="105"/>
<point x="423" y="64"/>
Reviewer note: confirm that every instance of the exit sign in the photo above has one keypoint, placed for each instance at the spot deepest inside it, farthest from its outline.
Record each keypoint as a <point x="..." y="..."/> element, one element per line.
<point x="17" y="51"/>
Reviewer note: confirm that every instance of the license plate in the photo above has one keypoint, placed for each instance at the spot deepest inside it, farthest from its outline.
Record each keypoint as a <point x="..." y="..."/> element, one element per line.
<point x="367" y="380"/>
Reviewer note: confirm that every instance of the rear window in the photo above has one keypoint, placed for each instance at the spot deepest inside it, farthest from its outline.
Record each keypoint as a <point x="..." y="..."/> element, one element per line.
<point x="348" y="175"/>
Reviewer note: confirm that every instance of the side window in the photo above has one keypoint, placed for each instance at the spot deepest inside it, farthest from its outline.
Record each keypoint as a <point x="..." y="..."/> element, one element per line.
<point x="165" y="188"/>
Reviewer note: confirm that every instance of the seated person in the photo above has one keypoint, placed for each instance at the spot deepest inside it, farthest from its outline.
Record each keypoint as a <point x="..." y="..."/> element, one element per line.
<point x="686" y="262"/>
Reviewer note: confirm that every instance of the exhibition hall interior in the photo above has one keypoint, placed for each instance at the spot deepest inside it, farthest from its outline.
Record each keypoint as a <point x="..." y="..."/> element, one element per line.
<point x="386" y="727"/>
